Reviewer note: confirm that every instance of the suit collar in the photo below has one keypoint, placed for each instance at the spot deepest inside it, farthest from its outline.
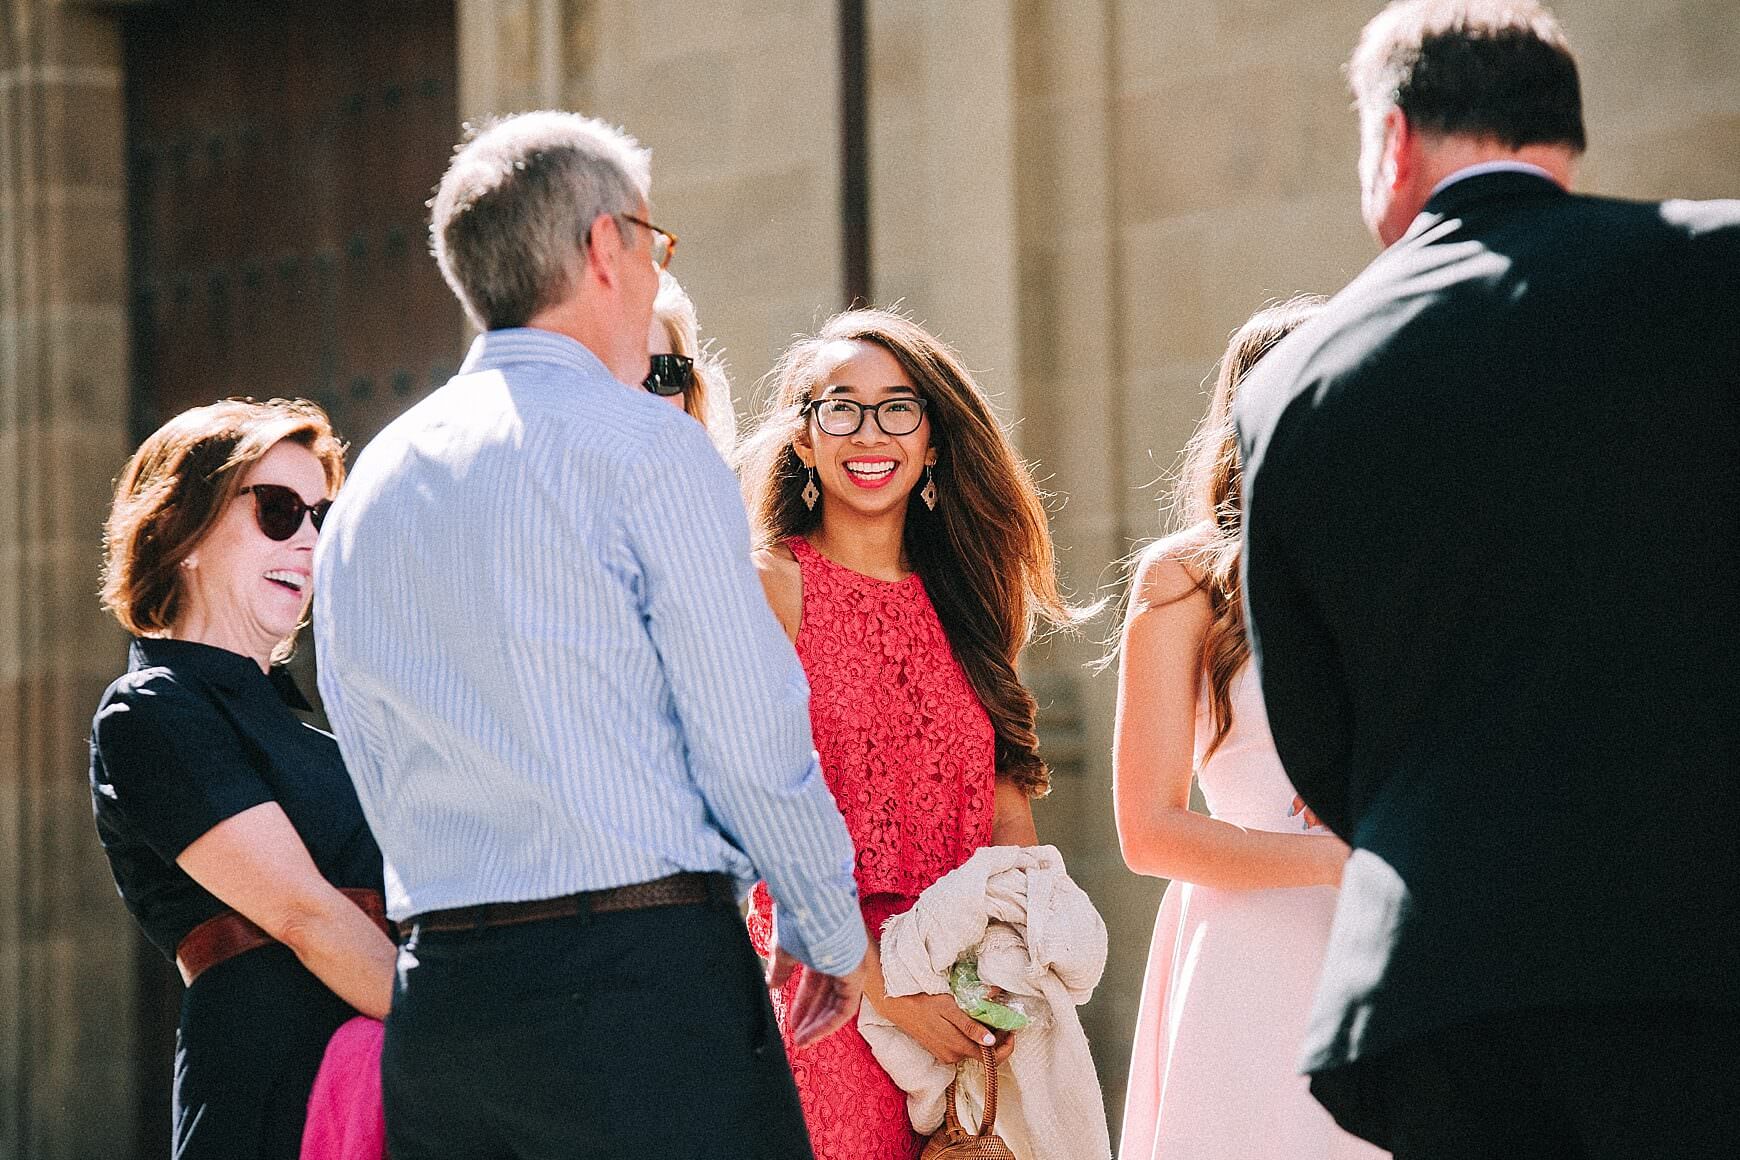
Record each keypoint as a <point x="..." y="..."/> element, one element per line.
<point x="1503" y="184"/>
<point x="1503" y="165"/>
<point x="1456" y="198"/>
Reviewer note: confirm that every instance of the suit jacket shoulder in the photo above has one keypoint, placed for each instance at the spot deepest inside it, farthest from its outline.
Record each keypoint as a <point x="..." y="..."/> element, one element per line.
<point x="1497" y="272"/>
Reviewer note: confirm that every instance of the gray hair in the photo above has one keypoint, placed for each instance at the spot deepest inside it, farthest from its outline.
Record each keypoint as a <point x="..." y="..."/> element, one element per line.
<point x="515" y="206"/>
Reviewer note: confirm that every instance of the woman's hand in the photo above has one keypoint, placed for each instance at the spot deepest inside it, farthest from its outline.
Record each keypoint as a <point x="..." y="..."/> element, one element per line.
<point x="1160" y="677"/>
<point x="934" y="1021"/>
<point x="938" y="1024"/>
<point x="1305" y="812"/>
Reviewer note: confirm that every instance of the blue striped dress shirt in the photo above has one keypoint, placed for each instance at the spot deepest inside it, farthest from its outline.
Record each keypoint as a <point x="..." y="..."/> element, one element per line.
<point x="549" y="662"/>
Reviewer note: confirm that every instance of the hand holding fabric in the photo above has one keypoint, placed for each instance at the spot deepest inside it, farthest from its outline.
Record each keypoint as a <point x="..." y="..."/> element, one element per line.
<point x="938" y="1024"/>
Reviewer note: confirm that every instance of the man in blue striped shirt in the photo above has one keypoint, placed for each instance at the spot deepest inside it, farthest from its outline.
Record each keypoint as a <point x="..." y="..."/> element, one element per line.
<point x="575" y="727"/>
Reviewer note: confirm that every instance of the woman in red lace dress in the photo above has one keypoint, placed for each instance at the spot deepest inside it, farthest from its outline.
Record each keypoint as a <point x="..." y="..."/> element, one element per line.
<point x="904" y="547"/>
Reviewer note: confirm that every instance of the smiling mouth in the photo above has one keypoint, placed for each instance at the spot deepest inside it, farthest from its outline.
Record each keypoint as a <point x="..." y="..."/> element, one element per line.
<point x="292" y="581"/>
<point x="871" y="471"/>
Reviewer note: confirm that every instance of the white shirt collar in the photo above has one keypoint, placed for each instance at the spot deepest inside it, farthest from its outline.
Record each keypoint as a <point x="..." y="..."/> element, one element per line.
<point x="1484" y="167"/>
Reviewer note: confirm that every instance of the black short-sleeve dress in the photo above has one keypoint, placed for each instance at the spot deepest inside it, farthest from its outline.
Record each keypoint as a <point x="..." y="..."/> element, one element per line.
<point x="190" y="736"/>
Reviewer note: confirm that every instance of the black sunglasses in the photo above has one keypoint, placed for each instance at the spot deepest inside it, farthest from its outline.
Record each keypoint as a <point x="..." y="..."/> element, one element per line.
<point x="279" y="510"/>
<point x="671" y="374"/>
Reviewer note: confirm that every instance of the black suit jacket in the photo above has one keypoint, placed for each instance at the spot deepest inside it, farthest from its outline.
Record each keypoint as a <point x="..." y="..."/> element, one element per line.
<point x="1492" y="533"/>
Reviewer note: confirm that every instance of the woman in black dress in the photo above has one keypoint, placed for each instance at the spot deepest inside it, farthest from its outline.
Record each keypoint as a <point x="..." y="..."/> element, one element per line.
<point x="231" y="827"/>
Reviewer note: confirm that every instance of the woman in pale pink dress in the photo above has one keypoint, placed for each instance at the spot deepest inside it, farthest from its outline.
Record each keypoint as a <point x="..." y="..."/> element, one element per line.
<point x="1241" y="931"/>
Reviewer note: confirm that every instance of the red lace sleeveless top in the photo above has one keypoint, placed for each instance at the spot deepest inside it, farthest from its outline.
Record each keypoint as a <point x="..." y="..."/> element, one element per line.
<point x="904" y="743"/>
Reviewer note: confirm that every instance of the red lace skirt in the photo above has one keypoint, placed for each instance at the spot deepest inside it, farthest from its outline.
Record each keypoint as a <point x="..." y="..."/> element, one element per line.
<point x="851" y="1107"/>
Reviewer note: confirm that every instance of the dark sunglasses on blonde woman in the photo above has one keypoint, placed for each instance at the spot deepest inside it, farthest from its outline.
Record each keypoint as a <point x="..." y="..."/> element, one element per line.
<point x="671" y="374"/>
<point x="279" y="510"/>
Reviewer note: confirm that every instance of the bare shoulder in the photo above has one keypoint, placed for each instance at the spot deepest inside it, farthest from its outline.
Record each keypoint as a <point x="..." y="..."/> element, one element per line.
<point x="777" y="565"/>
<point x="782" y="580"/>
<point x="1169" y="571"/>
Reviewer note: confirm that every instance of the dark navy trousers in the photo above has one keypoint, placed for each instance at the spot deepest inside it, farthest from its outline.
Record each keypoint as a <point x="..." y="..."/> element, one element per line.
<point x="598" y="1037"/>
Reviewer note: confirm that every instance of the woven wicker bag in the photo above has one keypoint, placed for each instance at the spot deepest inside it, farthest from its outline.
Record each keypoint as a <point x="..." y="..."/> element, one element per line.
<point x="953" y="1142"/>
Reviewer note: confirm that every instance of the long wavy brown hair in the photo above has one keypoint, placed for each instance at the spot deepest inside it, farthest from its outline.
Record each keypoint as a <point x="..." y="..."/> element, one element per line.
<point x="1209" y="503"/>
<point x="984" y="554"/>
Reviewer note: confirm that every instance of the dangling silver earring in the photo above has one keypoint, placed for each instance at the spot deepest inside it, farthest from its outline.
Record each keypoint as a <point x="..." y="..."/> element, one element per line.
<point x="928" y="493"/>
<point x="812" y="493"/>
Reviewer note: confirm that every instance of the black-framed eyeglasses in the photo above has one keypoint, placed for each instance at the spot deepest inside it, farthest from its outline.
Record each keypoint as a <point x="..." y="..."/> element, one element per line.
<point x="671" y="374"/>
<point x="664" y="243"/>
<point x="897" y="416"/>
<point x="279" y="510"/>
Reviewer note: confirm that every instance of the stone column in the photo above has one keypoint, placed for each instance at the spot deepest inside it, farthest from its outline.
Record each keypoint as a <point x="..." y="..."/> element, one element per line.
<point x="1073" y="369"/>
<point x="942" y="93"/>
<point x="518" y="55"/>
<point x="66" y="946"/>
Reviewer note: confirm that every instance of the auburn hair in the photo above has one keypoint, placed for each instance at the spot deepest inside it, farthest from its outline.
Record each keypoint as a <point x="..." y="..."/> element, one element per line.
<point x="1210" y="503"/>
<point x="984" y="555"/>
<point x="175" y="487"/>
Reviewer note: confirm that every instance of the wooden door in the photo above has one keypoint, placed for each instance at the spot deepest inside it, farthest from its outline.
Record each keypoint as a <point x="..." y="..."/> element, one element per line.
<point x="280" y="159"/>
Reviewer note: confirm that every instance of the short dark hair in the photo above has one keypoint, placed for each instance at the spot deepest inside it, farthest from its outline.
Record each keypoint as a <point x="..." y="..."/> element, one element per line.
<point x="1482" y="68"/>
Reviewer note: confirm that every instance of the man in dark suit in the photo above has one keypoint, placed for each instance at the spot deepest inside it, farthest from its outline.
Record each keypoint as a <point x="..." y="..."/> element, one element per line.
<point x="1493" y="519"/>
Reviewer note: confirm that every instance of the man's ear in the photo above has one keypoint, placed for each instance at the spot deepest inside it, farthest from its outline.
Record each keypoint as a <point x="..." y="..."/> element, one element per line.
<point x="1401" y="150"/>
<point x="604" y="248"/>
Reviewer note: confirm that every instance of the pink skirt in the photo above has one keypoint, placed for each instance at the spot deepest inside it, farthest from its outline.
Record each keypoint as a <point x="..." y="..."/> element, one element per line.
<point x="346" y="1119"/>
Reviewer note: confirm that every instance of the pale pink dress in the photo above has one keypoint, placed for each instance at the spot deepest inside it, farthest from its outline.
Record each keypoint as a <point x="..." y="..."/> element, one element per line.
<point x="1214" y="1072"/>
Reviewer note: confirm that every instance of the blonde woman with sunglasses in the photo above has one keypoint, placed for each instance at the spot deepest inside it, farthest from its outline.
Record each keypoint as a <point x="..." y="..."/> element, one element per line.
<point x="684" y="371"/>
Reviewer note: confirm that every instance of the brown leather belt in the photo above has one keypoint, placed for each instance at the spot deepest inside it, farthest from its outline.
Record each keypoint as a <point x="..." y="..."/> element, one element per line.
<point x="690" y="888"/>
<point x="224" y="936"/>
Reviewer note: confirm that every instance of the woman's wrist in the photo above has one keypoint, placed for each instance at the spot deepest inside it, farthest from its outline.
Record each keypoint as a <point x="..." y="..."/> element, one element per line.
<point x="875" y="989"/>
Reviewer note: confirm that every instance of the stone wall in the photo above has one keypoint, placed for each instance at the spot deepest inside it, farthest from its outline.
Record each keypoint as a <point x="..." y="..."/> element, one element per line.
<point x="942" y="135"/>
<point x="66" y="946"/>
<point x="1661" y="93"/>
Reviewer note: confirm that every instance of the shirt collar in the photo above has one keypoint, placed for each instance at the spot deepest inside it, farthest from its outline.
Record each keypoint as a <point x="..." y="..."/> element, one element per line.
<point x="230" y="671"/>
<point x="494" y="349"/>
<point x="1484" y="167"/>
